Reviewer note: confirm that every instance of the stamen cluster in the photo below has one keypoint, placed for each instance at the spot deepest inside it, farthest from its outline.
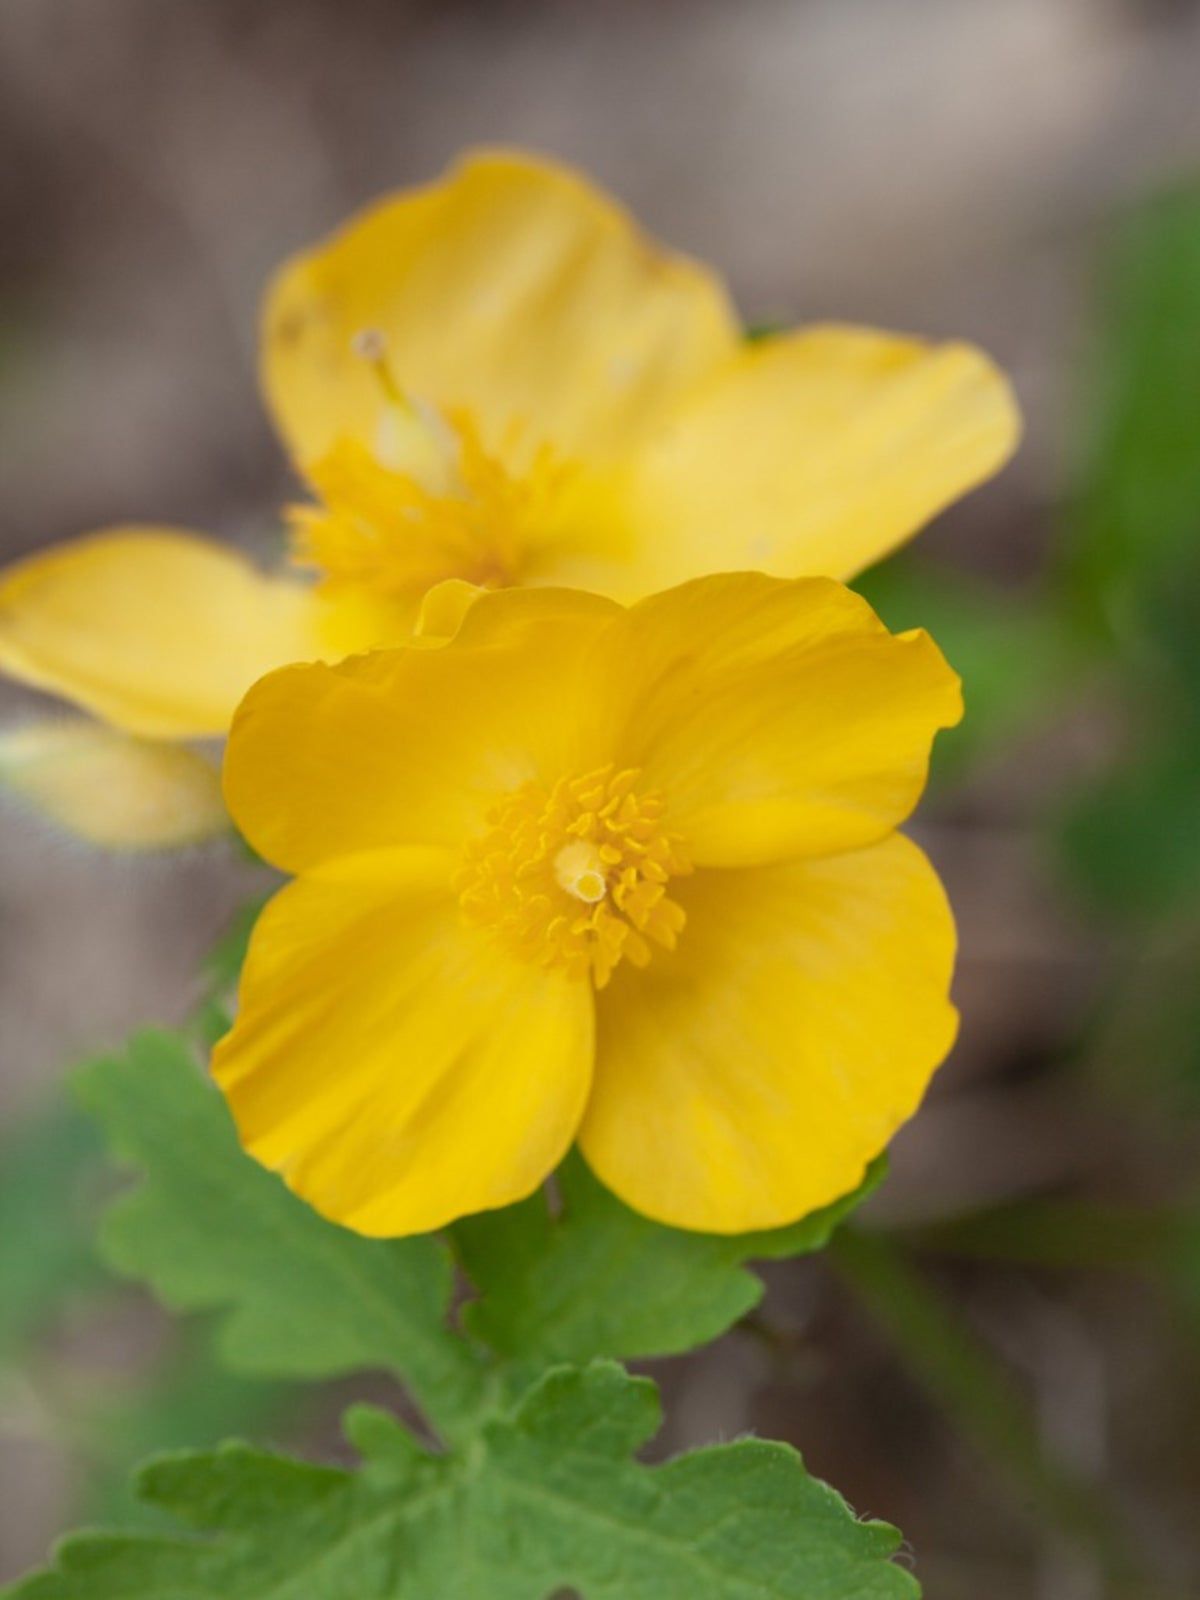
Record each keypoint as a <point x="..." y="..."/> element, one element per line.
<point x="447" y="508"/>
<point x="575" y="875"/>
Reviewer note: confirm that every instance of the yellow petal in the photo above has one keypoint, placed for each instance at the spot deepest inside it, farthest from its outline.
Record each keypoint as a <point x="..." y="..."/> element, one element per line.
<point x="412" y="746"/>
<point x="512" y="288"/>
<point x="815" y="453"/>
<point x="158" y="631"/>
<point x="348" y="618"/>
<point x="749" y="1077"/>
<point x="399" y="1070"/>
<point x="113" y="790"/>
<point x="443" y="609"/>
<point x="777" y="718"/>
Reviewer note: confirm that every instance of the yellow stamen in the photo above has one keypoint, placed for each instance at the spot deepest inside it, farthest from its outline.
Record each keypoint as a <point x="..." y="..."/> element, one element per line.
<point x="575" y="875"/>
<point x="428" y="499"/>
<point x="430" y="502"/>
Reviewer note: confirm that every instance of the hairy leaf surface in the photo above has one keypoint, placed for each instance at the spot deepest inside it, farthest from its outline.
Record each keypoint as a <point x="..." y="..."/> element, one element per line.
<point x="209" y="1228"/>
<point x="548" y="1498"/>
<point x="597" y="1279"/>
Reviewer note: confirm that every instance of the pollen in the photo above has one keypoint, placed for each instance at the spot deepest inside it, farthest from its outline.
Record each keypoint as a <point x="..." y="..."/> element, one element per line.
<point x="430" y="502"/>
<point x="575" y="875"/>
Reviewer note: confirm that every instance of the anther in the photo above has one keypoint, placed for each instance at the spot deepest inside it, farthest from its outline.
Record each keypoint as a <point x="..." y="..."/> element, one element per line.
<point x="569" y="882"/>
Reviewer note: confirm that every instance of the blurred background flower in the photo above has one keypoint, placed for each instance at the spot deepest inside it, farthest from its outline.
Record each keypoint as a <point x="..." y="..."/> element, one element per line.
<point x="1006" y="1359"/>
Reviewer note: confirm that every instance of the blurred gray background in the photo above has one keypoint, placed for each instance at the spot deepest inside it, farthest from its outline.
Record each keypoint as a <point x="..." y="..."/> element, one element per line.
<point x="938" y="166"/>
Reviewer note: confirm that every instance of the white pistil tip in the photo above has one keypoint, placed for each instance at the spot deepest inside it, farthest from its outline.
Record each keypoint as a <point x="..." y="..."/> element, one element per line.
<point x="370" y="343"/>
<point x="579" y="870"/>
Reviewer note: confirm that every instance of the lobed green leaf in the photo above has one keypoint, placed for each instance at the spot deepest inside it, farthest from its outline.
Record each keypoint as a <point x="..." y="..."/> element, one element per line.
<point x="597" y="1279"/>
<point x="208" y="1228"/>
<point x="549" y="1498"/>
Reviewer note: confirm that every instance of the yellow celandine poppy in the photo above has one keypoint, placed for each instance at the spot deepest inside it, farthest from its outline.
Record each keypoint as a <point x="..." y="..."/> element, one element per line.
<point x="626" y="875"/>
<point x="498" y="379"/>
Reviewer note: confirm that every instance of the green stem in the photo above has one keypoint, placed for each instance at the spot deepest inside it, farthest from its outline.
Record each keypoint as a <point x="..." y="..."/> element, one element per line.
<point x="978" y="1392"/>
<point x="1051" y="1233"/>
<point x="454" y="1387"/>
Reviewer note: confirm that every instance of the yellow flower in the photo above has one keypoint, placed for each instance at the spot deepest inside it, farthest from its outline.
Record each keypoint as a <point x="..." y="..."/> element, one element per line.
<point x="624" y="875"/>
<point x="498" y="379"/>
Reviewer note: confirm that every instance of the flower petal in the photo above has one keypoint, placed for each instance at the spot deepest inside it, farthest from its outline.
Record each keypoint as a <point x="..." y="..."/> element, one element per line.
<point x="777" y="718"/>
<point x="412" y="746"/>
<point x="815" y="453"/>
<point x="511" y="287"/>
<point x="110" y="789"/>
<point x="749" y="1077"/>
<point x="156" y="630"/>
<point x="399" y="1070"/>
<point x="443" y="609"/>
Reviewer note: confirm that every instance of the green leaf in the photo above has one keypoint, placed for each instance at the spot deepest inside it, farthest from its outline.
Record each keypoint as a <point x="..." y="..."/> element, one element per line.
<point x="547" y="1499"/>
<point x="599" y="1280"/>
<point x="209" y="1228"/>
<point x="189" y="1400"/>
<point x="51" y="1171"/>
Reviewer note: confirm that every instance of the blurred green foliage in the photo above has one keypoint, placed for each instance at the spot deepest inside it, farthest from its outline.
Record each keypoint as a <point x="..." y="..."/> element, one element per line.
<point x="1134" y="521"/>
<point x="1129" y="575"/>
<point x="51" y="1180"/>
<point x="1018" y="664"/>
<point x="55" y="1180"/>
<point x="1106" y="642"/>
<point x="189" y="1398"/>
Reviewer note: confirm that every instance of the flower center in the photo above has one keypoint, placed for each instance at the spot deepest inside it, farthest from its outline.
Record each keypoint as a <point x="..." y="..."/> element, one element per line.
<point x="427" y="500"/>
<point x="576" y="875"/>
